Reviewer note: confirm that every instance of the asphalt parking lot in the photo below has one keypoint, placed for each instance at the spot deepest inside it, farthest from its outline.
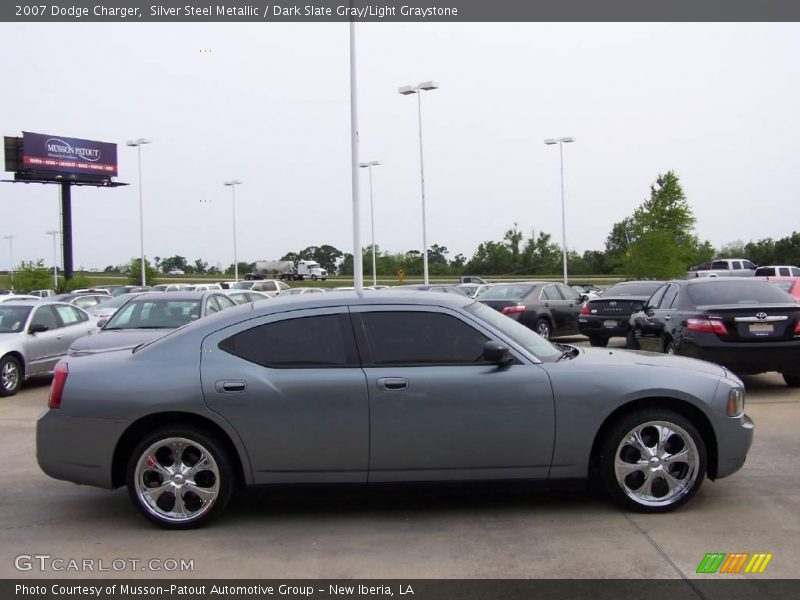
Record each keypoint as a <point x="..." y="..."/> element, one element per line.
<point x="416" y="533"/>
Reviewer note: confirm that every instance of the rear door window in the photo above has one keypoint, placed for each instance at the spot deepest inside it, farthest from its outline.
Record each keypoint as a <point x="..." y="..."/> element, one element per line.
<point x="419" y="338"/>
<point x="719" y="264"/>
<point x="550" y="292"/>
<point x="46" y="315"/>
<point x="69" y="315"/>
<point x="655" y="299"/>
<point x="669" y="297"/>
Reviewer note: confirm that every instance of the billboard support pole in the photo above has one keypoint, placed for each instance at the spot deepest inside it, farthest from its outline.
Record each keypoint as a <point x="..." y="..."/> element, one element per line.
<point x="66" y="228"/>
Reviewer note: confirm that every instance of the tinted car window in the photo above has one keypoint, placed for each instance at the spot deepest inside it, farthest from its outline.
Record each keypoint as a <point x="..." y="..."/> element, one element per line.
<point x="795" y="272"/>
<point x="637" y="288"/>
<point x="737" y="292"/>
<point x="655" y="299"/>
<point x="669" y="297"/>
<point x="506" y="292"/>
<point x="736" y="265"/>
<point x="45" y="315"/>
<point x="150" y="314"/>
<point x="421" y="338"/>
<point x="748" y="265"/>
<point x="305" y="342"/>
<point x="719" y="264"/>
<point x="568" y="293"/>
<point x="765" y="272"/>
<point x="550" y="292"/>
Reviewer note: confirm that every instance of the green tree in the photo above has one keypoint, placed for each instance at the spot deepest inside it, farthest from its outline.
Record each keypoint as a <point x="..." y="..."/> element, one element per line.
<point x="135" y="273"/>
<point x="32" y="275"/>
<point x="174" y="262"/>
<point x="78" y="282"/>
<point x="663" y="243"/>
<point x="200" y="266"/>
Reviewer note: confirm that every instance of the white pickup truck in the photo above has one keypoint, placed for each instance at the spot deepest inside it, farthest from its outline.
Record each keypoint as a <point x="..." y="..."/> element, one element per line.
<point x="724" y="267"/>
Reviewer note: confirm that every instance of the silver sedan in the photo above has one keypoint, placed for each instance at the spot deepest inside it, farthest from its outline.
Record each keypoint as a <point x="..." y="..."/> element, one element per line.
<point x="389" y="387"/>
<point x="34" y="335"/>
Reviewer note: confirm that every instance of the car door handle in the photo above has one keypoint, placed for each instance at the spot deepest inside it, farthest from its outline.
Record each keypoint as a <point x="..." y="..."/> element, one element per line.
<point x="666" y="318"/>
<point x="391" y="384"/>
<point x="231" y="386"/>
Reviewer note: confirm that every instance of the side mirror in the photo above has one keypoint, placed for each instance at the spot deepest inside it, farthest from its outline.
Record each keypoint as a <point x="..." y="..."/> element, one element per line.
<point x="38" y="328"/>
<point x="637" y="306"/>
<point x="101" y="323"/>
<point x="495" y="352"/>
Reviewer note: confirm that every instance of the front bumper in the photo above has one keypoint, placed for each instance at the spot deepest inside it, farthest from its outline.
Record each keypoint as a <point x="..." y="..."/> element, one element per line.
<point x="77" y="449"/>
<point x="734" y="438"/>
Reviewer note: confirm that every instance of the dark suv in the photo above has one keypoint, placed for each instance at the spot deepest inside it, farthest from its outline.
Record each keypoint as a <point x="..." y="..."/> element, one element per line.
<point x="747" y="325"/>
<point x="550" y="309"/>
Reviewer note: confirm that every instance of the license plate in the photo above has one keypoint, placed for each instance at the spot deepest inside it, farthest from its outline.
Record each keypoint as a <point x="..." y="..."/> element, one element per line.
<point x="609" y="324"/>
<point x="761" y="328"/>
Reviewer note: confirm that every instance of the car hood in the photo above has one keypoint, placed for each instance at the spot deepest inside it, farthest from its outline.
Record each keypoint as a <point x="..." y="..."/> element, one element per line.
<point x="613" y="356"/>
<point x="106" y="340"/>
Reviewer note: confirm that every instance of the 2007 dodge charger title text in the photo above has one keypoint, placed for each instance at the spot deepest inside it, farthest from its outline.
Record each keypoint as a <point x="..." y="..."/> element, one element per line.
<point x="329" y="388"/>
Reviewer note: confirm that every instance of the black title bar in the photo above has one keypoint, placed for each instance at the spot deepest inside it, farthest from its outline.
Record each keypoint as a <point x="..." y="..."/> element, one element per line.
<point x="451" y="11"/>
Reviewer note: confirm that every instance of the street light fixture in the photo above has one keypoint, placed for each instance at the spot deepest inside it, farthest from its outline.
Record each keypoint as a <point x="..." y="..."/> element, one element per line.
<point x="561" y="141"/>
<point x="55" y="233"/>
<point x="138" y="143"/>
<point x="407" y="90"/>
<point x="10" y="239"/>
<point x="233" y="183"/>
<point x="369" y="165"/>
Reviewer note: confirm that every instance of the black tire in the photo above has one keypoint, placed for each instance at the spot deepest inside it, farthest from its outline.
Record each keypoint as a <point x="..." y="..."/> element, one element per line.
<point x="631" y="492"/>
<point x="542" y="327"/>
<point x="671" y="346"/>
<point x="598" y="342"/>
<point x="631" y="340"/>
<point x="221" y="483"/>
<point x="313" y="278"/>
<point x="11" y="376"/>
<point x="792" y="381"/>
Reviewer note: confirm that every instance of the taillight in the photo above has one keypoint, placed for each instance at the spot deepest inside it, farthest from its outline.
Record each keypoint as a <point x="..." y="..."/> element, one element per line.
<point x="510" y="310"/>
<point x="57" y="387"/>
<point x="585" y="309"/>
<point x="707" y="326"/>
<point x="797" y="327"/>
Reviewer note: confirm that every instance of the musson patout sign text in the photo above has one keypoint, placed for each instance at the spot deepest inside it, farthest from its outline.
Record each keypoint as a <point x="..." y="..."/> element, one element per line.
<point x="176" y="590"/>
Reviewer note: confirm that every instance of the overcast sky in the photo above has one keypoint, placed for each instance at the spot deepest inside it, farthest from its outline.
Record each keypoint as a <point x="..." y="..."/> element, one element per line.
<point x="269" y="105"/>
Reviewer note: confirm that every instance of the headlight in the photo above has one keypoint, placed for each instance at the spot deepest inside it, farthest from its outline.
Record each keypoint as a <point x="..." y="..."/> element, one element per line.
<point x="735" y="402"/>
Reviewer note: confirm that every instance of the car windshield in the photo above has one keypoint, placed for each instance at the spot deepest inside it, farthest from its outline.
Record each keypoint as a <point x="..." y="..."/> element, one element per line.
<point x="506" y="292"/>
<point x="639" y="288"/>
<point x="242" y="285"/>
<point x="527" y="338"/>
<point x="155" y="314"/>
<point x="725" y="291"/>
<point x="115" y="302"/>
<point x="12" y="318"/>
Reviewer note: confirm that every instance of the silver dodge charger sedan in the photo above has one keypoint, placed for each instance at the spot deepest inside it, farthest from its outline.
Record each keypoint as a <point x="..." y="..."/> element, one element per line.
<point x="392" y="387"/>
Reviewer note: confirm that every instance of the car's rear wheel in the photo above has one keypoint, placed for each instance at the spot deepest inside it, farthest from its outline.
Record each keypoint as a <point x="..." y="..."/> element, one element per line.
<point x="791" y="380"/>
<point x="671" y="346"/>
<point x="542" y="327"/>
<point x="653" y="460"/>
<point x="180" y="477"/>
<point x="10" y="376"/>
<point x="599" y="342"/>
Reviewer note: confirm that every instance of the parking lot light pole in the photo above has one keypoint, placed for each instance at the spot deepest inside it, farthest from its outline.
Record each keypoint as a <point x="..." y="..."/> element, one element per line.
<point x="407" y="90"/>
<point x="561" y="142"/>
<point x="233" y="183"/>
<point x="138" y="143"/>
<point x="369" y="165"/>
<point x="10" y="239"/>
<point x="55" y="233"/>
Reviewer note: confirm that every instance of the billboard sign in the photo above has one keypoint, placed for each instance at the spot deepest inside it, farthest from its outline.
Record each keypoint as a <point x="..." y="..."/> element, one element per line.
<point x="68" y="155"/>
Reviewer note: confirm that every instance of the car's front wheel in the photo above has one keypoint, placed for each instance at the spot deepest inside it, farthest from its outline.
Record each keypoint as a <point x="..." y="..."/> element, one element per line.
<point x="10" y="376"/>
<point x="180" y="477"/>
<point x="653" y="460"/>
<point x="632" y="339"/>
<point x="313" y="278"/>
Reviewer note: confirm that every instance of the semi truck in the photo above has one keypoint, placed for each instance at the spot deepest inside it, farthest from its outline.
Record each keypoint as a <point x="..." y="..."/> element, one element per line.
<point x="288" y="270"/>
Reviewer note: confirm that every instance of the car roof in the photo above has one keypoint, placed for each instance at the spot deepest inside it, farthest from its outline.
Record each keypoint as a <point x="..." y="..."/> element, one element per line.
<point x="175" y="295"/>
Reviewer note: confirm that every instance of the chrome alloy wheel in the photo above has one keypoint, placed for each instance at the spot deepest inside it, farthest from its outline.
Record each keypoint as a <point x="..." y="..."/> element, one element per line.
<point x="543" y="329"/>
<point x="656" y="463"/>
<point x="177" y="480"/>
<point x="9" y="376"/>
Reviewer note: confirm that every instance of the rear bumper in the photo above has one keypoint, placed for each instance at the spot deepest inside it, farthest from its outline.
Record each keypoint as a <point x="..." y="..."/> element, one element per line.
<point x="76" y="449"/>
<point x="595" y="326"/>
<point x="748" y="358"/>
